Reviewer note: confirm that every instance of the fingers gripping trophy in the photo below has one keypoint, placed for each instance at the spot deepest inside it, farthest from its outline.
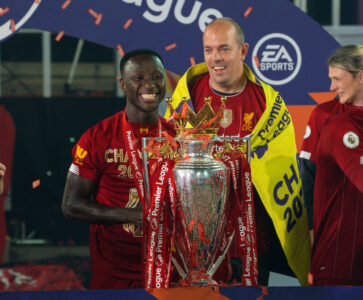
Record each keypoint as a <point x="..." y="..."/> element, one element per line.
<point x="199" y="200"/>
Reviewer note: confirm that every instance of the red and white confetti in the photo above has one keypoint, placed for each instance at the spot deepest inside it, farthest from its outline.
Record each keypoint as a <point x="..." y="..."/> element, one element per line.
<point x="12" y="25"/>
<point x="120" y="50"/>
<point x="247" y="12"/>
<point x="65" y="4"/>
<point x="36" y="183"/>
<point x="59" y="36"/>
<point x="128" y="23"/>
<point x="257" y="62"/>
<point x="171" y="46"/>
<point x="3" y="11"/>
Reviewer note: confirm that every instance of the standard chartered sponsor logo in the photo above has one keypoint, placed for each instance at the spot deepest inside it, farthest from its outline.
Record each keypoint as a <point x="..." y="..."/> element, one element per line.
<point x="279" y="58"/>
<point x="158" y="11"/>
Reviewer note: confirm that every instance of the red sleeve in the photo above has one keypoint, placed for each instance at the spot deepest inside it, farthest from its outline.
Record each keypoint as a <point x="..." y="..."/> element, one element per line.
<point x="85" y="157"/>
<point x="311" y="137"/>
<point x="345" y="140"/>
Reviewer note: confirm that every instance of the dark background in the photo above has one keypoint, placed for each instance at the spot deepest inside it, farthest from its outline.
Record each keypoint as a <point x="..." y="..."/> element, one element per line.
<point x="46" y="131"/>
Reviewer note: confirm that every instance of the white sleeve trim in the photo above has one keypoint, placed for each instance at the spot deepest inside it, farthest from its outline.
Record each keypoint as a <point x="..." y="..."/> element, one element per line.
<point x="304" y="154"/>
<point x="74" y="169"/>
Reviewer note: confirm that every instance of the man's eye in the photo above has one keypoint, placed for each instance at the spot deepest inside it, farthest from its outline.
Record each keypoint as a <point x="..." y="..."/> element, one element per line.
<point x="225" y="49"/>
<point x="207" y="50"/>
<point x="157" y="77"/>
<point x="138" y="78"/>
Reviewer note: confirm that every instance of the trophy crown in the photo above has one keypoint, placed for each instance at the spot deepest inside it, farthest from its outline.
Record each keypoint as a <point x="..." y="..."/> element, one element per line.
<point x="205" y="122"/>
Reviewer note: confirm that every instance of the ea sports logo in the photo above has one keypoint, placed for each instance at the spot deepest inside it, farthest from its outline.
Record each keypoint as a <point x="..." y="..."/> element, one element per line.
<point x="276" y="59"/>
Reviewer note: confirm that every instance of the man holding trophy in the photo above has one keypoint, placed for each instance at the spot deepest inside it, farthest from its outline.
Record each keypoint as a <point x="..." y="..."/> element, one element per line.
<point x="253" y="107"/>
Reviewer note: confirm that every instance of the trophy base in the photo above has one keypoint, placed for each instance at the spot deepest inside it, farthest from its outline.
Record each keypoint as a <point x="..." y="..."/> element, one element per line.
<point x="197" y="278"/>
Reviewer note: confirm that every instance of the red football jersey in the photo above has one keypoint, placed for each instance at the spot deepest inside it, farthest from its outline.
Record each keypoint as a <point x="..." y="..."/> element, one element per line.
<point x="241" y="114"/>
<point x="318" y="118"/>
<point x="100" y="155"/>
<point x="338" y="207"/>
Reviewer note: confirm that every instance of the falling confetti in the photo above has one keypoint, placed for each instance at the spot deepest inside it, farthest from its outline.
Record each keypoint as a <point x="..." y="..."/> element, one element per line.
<point x="12" y="25"/>
<point x="65" y="4"/>
<point x="36" y="183"/>
<point x="4" y="11"/>
<point x="247" y="12"/>
<point x="128" y="23"/>
<point x="257" y="62"/>
<point x="171" y="46"/>
<point x="59" y="36"/>
<point x="120" y="50"/>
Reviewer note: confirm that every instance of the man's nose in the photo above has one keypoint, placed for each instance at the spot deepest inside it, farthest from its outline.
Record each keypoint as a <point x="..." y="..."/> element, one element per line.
<point x="332" y="86"/>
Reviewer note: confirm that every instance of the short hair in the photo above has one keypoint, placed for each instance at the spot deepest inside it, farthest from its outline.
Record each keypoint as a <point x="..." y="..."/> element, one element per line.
<point x="239" y="31"/>
<point x="348" y="58"/>
<point x="137" y="52"/>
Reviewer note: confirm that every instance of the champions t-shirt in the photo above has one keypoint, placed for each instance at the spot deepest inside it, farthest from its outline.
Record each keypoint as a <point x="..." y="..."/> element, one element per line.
<point x="318" y="118"/>
<point x="100" y="155"/>
<point x="338" y="203"/>
<point x="241" y="114"/>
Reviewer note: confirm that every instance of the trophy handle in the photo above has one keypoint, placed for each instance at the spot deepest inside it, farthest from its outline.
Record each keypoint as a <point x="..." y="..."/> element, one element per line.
<point x="219" y="260"/>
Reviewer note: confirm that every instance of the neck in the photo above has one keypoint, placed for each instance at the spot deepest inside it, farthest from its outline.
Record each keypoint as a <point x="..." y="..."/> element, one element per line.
<point x="140" y="117"/>
<point x="235" y="87"/>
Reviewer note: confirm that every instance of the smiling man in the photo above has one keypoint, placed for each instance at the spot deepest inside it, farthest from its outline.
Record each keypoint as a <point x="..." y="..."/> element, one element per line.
<point x="253" y="107"/>
<point x="105" y="183"/>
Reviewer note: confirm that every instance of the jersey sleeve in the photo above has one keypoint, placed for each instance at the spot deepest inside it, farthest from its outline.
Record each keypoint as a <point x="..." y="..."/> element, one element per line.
<point x="346" y="143"/>
<point x="311" y="137"/>
<point x="85" y="157"/>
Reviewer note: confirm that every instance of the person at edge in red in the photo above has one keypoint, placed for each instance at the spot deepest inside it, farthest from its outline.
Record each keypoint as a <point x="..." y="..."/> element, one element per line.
<point x="101" y="184"/>
<point x="345" y="69"/>
<point x="2" y="174"/>
<point x="337" y="254"/>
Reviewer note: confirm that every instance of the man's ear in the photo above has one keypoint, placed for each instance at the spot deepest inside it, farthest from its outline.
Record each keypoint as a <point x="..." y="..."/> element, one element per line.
<point x="122" y="84"/>
<point x="360" y="76"/>
<point x="244" y="50"/>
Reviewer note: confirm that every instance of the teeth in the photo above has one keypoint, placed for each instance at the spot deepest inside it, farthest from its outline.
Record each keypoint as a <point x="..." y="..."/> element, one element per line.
<point x="148" y="96"/>
<point x="218" y="68"/>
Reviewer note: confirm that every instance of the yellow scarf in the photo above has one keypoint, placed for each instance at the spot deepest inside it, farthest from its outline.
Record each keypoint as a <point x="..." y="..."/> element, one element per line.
<point x="274" y="170"/>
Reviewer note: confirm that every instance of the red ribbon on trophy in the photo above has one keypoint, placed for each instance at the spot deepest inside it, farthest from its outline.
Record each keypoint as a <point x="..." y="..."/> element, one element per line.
<point x="243" y="215"/>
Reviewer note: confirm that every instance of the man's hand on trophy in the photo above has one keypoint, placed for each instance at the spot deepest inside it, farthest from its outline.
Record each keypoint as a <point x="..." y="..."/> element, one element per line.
<point x="2" y="171"/>
<point x="135" y="215"/>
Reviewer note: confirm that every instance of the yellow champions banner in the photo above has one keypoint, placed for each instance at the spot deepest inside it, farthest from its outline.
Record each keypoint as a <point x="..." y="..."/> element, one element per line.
<point x="275" y="172"/>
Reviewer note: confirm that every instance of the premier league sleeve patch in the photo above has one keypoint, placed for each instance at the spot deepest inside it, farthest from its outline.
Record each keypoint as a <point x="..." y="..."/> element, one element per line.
<point x="307" y="132"/>
<point x="351" y="140"/>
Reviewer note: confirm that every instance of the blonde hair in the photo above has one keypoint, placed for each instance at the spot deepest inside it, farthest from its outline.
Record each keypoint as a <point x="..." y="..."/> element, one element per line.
<point x="348" y="58"/>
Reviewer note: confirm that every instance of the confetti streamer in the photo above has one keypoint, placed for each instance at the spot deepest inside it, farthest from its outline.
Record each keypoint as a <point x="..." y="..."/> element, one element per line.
<point x="59" y="36"/>
<point x="171" y="46"/>
<point x="257" y="62"/>
<point x="120" y="50"/>
<point x="4" y="11"/>
<point x="128" y="23"/>
<point x="36" y="183"/>
<point x="65" y="4"/>
<point x="192" y="61"/>
<point x="93" y="13"/>
<point x="98" y="19"/>
<point x="12" y="25"/>
<point x="247" y="12"/>
<point x="191" y="225"/>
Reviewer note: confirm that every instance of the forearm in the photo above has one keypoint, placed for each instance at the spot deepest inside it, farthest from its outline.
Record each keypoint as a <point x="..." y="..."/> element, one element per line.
<point x="93" y="212"/>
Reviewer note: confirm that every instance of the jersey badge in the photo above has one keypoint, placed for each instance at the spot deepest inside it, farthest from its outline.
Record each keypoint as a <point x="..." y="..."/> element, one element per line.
<point x="247" y="118"/>
<point x="227" y="118"/>
<point x="144" y="130"/>
<point x="351" y="140"/>
<point x="80" y="155"/>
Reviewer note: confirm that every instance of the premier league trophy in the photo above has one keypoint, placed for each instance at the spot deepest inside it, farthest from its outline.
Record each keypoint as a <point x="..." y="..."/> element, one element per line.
<point x="199" y="193"/>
